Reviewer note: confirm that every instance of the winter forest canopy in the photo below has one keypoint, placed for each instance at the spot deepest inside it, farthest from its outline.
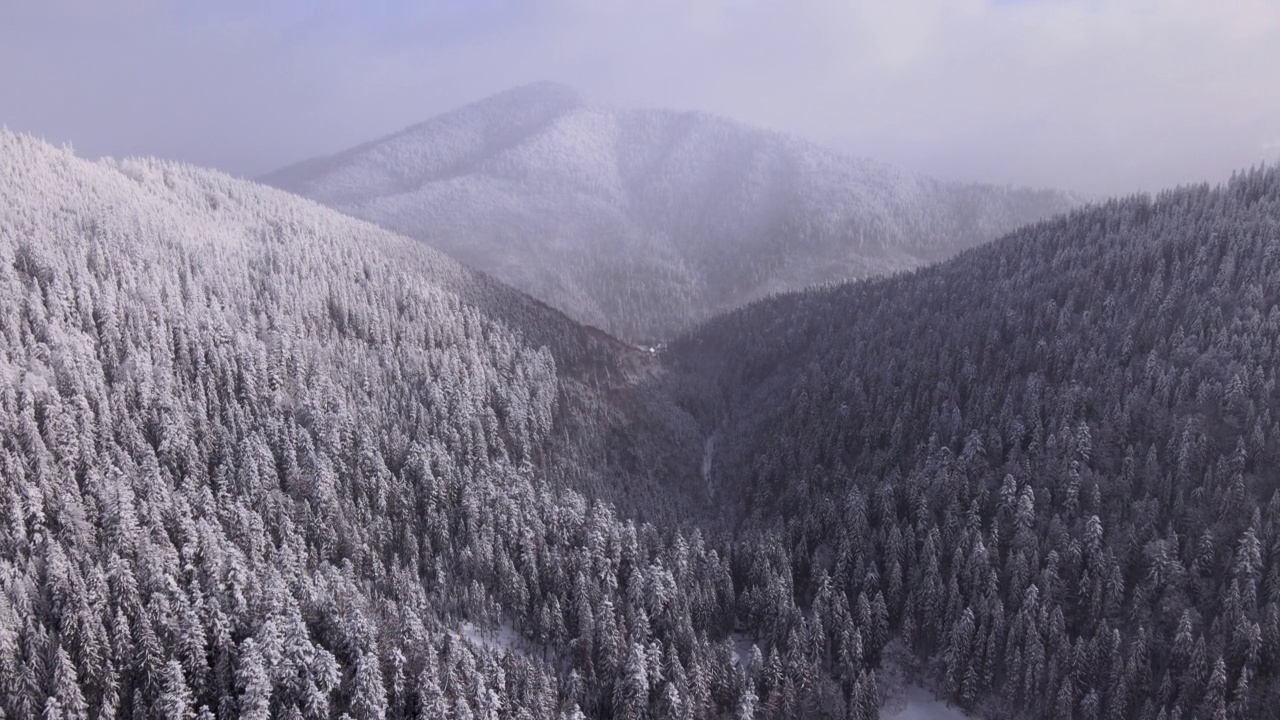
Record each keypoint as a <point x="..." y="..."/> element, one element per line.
<point x="260" y="459"/>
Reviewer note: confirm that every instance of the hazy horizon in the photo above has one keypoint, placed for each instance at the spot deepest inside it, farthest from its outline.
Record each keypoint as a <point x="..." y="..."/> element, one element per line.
<point x="1096" y="97"/>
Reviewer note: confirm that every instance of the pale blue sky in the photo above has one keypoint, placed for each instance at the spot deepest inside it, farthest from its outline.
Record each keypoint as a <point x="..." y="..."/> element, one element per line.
<point x="1095" y="95"/>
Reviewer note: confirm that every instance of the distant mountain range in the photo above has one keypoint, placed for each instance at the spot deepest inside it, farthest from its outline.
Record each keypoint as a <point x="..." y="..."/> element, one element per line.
<point x="644" y="222"/>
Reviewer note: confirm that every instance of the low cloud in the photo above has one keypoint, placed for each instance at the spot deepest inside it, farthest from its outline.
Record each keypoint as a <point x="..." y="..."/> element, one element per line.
<point x="1092" y="95"/>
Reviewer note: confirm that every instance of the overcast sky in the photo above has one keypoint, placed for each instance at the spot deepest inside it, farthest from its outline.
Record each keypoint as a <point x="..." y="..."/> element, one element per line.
<point x="1099" y="96"/>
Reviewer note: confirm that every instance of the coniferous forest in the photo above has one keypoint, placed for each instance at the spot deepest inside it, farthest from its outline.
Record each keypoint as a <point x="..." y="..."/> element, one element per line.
<point x="258" y="459"/>
<point x="1048" y="467"/>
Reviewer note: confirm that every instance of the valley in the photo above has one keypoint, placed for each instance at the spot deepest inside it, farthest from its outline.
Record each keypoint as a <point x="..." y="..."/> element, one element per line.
<point x="261" y="459"/>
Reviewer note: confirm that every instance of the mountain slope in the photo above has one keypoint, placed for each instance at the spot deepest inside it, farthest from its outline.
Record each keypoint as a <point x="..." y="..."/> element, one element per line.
<point x="1052" y="460"/>
<point x="644" y="222"/>
<point x="258" y="459"/>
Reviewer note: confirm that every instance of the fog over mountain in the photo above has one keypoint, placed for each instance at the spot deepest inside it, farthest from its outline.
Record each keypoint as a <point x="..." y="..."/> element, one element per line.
<point x="1096" y="96"/>
<point x="643" y="222"/>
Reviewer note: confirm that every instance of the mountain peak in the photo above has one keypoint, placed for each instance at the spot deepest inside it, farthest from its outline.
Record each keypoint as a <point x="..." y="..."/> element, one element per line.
<point x="543" y="98"/>
<point x="439" y="146"/>
<point x="541" y="90"/>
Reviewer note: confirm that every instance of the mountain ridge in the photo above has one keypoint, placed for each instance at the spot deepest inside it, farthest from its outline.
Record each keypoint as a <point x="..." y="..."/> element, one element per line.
<point x="553" y="95"/>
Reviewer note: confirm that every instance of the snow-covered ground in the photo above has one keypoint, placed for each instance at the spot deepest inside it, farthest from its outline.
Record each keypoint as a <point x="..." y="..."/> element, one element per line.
<point x="906" y="702"/>
<point x="742" y="644"/>
<point x="499" y="639"/>
<point x="917" y="703"/>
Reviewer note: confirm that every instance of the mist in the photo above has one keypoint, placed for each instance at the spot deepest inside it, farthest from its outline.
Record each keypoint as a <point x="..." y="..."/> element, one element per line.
<point x="1095" y="97"/>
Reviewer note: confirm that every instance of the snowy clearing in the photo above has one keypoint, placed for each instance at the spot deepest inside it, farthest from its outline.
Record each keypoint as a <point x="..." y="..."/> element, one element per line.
<point x="499" y="639"/>
<point x="917" y="703"/>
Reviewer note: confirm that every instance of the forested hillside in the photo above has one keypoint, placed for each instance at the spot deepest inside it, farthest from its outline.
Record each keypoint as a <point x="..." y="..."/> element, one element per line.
<point x="645" y="222"/>
<point x="1052" y="462"/>
<point x="258" y="459"/>
<point x="261" y="460"/>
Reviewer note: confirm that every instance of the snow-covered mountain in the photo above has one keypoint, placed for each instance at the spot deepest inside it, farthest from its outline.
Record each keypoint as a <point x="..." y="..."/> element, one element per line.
<point x="645" y="221"/>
